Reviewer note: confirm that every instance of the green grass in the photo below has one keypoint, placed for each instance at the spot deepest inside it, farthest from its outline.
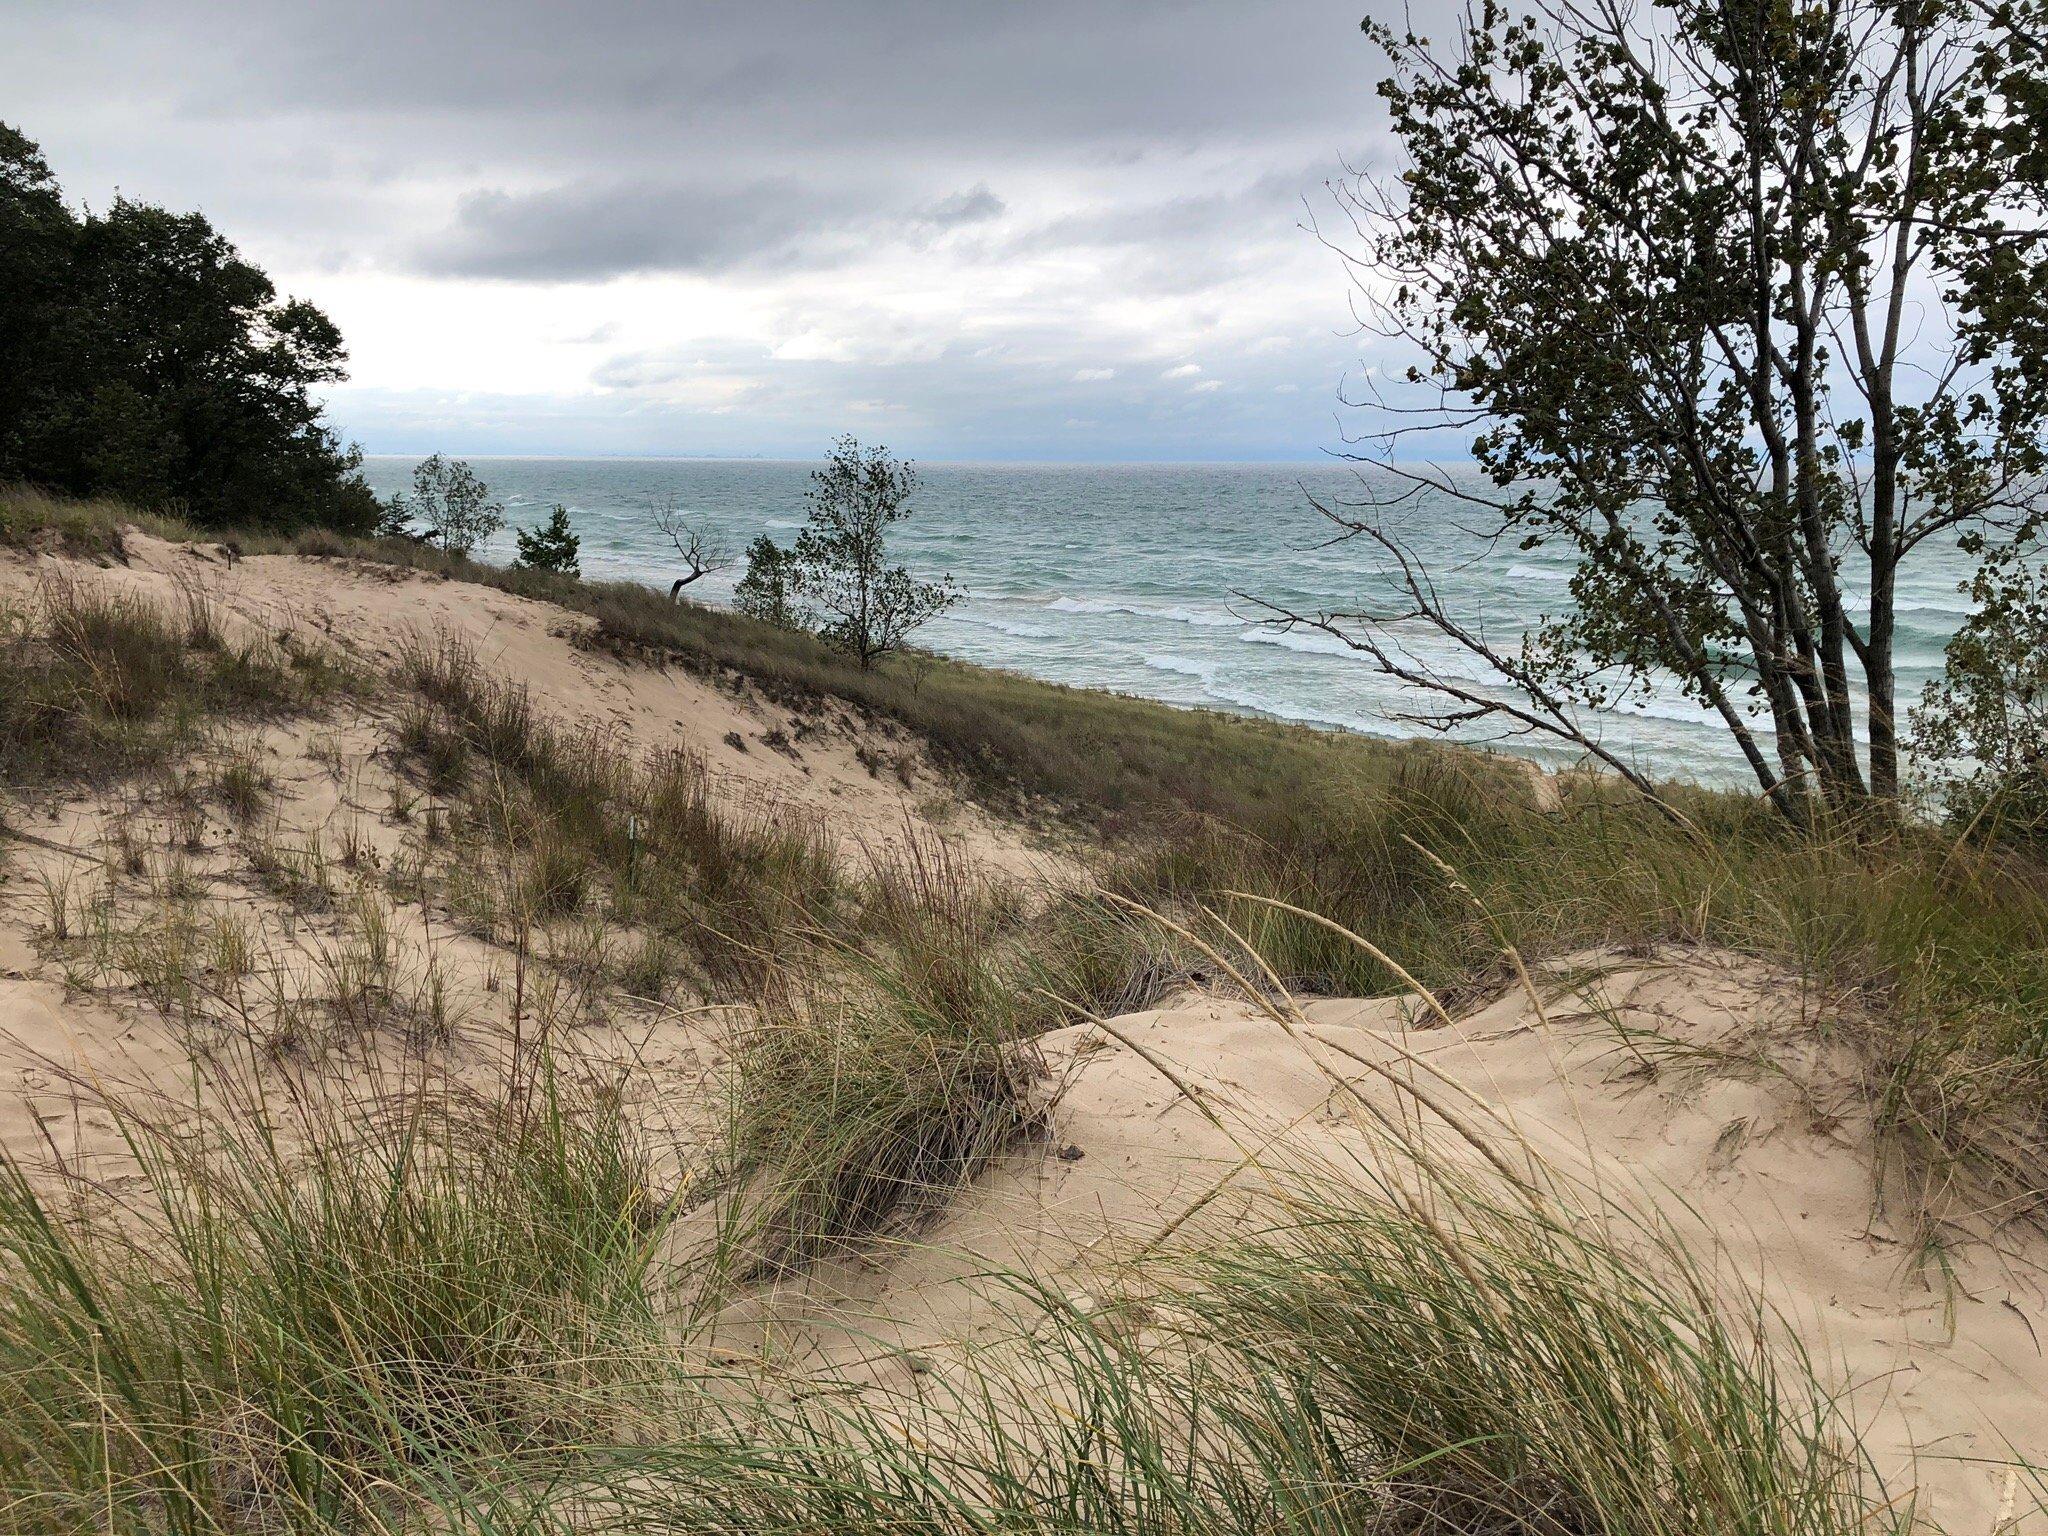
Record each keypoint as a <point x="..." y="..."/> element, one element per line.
<point x="96" y="683"/>
<point x="1464" y="1361"/>
<point x="434" y="1311"/>
<point x="575" y="811"/>
<point x="1931" y="957"/>
<point x="307" y="1297"/>
<point x="1118" y="761"/>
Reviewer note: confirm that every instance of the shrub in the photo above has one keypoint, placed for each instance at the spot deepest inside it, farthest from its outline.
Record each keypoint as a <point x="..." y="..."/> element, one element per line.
<point x="766" y="591"/>
<point x="551" y="547"/>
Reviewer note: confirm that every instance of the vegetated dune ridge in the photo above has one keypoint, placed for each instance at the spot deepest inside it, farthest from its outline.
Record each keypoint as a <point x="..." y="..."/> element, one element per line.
<point x="1691" y="1085"/>
<point x="861" y="778"/>
<point x="336" y="811"/>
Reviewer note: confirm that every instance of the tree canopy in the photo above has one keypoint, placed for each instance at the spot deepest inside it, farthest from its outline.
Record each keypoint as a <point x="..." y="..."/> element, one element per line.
<point x="1738" y="303"/>
<point x="142" y="357"/>
<point x="835" y="580"/>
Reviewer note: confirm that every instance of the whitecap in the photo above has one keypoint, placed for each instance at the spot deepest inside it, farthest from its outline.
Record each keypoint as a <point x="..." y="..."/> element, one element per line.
<point x="1003" y="626"/>
<point x="1310" y="642"/>
<point x="1200" y="619"/>
<point x="1183" y="665"/>
<point x="1172" y="614"/>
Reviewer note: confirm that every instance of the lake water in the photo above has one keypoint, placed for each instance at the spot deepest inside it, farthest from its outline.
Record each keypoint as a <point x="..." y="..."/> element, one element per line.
<point x="1123" y="577"/>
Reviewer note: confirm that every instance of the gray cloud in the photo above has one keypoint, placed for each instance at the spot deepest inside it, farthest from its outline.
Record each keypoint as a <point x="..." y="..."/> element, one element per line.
<point x="596" y="232"/>
<point x="970" y="207"/>
<point x="1019" y="211"/>
<point x="592" y="232"/>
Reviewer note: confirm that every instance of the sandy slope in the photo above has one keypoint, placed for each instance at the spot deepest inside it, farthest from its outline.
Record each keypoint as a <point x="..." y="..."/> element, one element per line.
<point x="107" y="856"/>
<point x="1692" y="1084"/>
<point x="1718" y="1112"/>
<point x="369" y="611"/>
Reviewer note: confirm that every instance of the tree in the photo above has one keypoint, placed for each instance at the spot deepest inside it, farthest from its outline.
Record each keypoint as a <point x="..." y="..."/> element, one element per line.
<point x="452" y="502"/>
<point x="551" y="547"/>
<point x="142" y="356"/>
<point x="1727" y="291"/>
<point x="837" y="569"/>
<point x="702" y="554"/>
<point x="38" y="239"/>
<point x="1983" y="726"/>
<point x="765" y="591"/>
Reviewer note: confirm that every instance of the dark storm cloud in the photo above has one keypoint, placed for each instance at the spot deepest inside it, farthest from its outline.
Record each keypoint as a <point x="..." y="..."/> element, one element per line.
<point x="590" y="233"/>
<point x="584" y="233"/>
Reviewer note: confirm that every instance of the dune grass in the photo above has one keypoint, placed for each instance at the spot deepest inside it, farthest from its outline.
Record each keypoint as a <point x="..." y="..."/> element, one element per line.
<point x="95" y="682"/>
<point x="303" y="1297"/>
<point x="435" y="1311"/>
<point x="428" y="1311"/>
<point x="1930" y="955"/>
<point x="576" y="810"/>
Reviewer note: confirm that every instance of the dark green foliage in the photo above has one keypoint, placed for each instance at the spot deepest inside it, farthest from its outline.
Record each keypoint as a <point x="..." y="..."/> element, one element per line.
<point x="142" y="357"/>
<point x="551" y="547"/>
<point x="764" y="592"/>
<point x="836" y="580"/>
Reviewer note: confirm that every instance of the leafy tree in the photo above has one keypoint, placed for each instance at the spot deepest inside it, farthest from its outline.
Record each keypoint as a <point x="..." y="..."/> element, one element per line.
<point x="553" y="546"/>
<point x="38" y="237"/>
<point x="765" y="591"/>
<point x="454" y="505"/>
<point x="141" y="356"/>
<point x="838" y="570"/>
<point x="1672" y="266"/>
<point x="1983" y="726"/>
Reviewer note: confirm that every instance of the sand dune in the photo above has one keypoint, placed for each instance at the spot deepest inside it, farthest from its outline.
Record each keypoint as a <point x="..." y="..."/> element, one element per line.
<point x="1685" y="1089"/>
<point x="1691" y="1086"/>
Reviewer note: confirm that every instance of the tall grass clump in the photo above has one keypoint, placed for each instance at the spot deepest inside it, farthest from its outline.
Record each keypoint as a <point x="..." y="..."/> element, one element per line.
<point x="895" y="1065"/>
<point x="1422" y="1352"/>
<point x="312" y="1298"/>
<point x="577" y="810"/>
<point x="92" y="527"/>
<point x="1424" y="1330"/>
<point x="94" y="681"/>
<point x="900" y="1055"/>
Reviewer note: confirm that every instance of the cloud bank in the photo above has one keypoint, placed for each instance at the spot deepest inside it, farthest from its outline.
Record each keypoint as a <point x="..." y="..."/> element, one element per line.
<point x="1064" y="230"/>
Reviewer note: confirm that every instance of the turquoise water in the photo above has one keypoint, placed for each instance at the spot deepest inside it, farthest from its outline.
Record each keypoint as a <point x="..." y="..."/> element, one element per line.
<point x="1123" y="577"/>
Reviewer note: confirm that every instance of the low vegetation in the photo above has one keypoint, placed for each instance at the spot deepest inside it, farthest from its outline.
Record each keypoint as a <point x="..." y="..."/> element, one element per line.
<point x="477" y="1335"/>
<point x="93" y="682"/>
<point x="317" y="1296"/>
<point x="436" y="1311"/>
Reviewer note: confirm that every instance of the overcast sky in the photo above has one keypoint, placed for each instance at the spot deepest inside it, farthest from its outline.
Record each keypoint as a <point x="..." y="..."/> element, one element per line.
<point x="1065" y="229"/>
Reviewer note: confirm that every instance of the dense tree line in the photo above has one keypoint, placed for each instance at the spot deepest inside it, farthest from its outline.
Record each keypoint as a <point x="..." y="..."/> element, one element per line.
<point x="142" y="357"/>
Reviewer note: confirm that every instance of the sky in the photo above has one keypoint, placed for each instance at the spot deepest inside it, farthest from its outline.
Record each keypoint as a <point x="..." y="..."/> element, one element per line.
<point x="1064" y="229"/>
